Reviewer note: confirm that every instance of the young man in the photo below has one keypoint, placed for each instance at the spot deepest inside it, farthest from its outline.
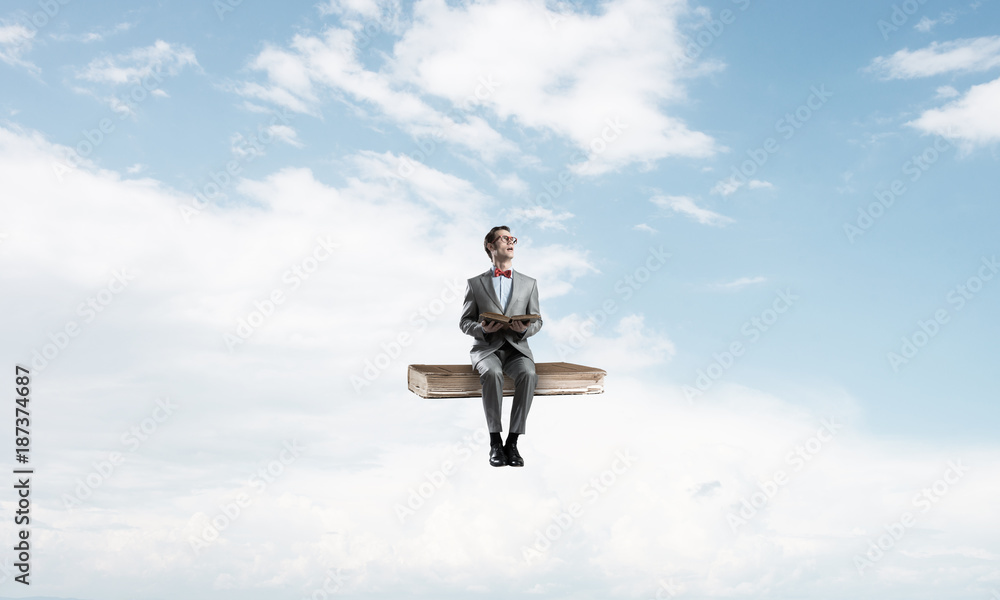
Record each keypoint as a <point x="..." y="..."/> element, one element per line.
<point x="498" y="348"/>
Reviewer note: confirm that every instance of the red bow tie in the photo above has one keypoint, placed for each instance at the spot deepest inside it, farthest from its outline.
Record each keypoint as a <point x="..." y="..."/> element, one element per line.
<point x="497" y="272"/>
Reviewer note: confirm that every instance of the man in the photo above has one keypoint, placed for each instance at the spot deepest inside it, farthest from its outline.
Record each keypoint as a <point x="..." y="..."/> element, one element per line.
<point x="499" y="348"/>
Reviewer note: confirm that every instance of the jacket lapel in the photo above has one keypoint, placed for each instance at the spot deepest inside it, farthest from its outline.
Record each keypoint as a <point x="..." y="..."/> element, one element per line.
<point x="486" y="279"/>
<point x="515" y="284"/>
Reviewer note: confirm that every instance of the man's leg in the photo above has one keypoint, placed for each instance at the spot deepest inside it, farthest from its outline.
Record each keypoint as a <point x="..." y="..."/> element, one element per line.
<point x="491" y="377"/>
<point x="522" y="370"/>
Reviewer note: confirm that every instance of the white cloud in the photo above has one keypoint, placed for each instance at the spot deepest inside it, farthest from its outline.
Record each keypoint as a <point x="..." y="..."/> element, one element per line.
<point x="963" y="56"/>
<point x="92" y="36"/>
<point x="84" y="38"/>
<point x="555" y="266"/>
<point x="630" y="347"/>
<point x="132" y="221"/>
<point x="644" y="227"/>
<point x="240" y="147"/>
<point x="285" y="134"/>
<point x="537" y="216"/>
<point x="338" y="501"/>
<point x="16" y="41"/>
<point x="945" y="91"/>
<point x="732" y="184"/>
<point x="160" y="58"/>
<point x="14" y="34"/>
<point x="512" y="183"/>
<point x="244" y="147"/>
<point x="370" y="10"/>
<point x="600" y="80"/>
<point x="145" y="66"/>
<point x="973" y="118"/>
<point x="255" y="108"/>
<point x="446" y="194"/>
<point x="738" y="284"/>
<point x="295" y="78"/>
<point x="925" y="24"/>
<point x="728" y="186"/>
<point x="686" y="206"/>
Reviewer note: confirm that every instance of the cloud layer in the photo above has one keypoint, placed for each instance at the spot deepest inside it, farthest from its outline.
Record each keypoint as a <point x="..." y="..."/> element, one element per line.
<point x="598" y="81"/>
<point x="371" y="490"/>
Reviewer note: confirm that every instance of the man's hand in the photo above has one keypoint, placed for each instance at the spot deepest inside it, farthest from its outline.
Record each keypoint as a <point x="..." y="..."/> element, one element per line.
<point x="491" y="326"/>
<point x="519" y="326"/>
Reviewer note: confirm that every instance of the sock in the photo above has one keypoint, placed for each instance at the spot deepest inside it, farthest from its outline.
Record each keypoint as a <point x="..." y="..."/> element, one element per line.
<point x="495" y="438"/>
<point x="512" y="439"/>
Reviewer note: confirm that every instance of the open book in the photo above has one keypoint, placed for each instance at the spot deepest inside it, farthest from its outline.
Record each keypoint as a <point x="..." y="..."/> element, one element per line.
<point x="492" y="316"/>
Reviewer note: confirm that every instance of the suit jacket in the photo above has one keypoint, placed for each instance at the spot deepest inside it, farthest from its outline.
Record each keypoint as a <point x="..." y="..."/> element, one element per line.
<point x="481" y="297"/>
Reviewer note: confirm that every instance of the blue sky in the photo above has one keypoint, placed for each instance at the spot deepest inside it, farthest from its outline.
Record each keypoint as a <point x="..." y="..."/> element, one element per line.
<point x="350" y="155"/>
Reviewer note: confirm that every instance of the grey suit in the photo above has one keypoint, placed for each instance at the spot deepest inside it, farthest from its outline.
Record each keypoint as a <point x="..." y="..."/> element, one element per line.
<point x="493" y="354"/>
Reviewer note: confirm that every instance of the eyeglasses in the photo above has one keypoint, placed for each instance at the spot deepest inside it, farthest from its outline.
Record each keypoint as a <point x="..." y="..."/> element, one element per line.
<point x="507" y="239"/>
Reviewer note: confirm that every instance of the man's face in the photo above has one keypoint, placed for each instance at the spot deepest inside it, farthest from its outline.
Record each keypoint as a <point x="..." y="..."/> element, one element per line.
<point x="503" y="249"/>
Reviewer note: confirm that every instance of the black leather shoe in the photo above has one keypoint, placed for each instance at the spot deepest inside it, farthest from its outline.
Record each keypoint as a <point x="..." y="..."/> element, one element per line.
<point x="497" y="456"/>
<point x="513" y="456"/>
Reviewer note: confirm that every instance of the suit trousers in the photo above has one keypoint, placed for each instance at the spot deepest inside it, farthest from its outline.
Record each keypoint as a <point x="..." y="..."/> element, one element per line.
<point x="521" y="369"/>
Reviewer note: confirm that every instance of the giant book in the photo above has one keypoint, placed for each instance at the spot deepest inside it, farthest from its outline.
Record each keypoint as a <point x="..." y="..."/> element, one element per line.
<point x="462" y="381"/>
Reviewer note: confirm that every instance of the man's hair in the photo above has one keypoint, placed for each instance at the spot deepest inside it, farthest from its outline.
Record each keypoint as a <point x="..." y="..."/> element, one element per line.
<point x="491" y="236"/>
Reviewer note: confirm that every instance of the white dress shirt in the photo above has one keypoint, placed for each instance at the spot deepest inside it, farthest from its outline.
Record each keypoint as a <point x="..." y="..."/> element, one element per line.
<point x="502" y="286"/>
